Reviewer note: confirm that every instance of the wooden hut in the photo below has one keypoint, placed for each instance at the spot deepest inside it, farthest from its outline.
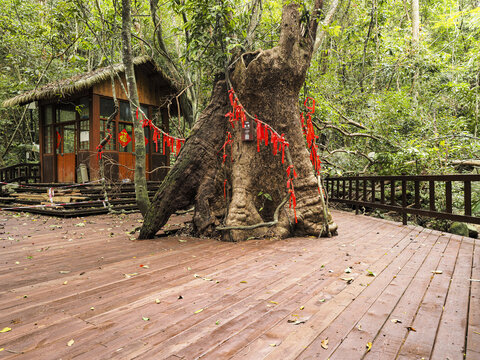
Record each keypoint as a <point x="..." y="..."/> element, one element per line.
<point x="73" y="114"/>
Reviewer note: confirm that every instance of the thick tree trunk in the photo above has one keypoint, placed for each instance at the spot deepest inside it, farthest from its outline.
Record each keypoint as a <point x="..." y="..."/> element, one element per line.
<point x="141" y="192"/>
<point x="267" y="84"/>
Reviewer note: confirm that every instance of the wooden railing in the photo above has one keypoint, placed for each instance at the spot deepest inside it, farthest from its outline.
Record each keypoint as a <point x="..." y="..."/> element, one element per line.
<point x="428" y="195"/>
<point x="21" y="173"/>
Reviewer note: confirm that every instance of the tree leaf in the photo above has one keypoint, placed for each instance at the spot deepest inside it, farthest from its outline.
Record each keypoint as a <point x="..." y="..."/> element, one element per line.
<point x="369" y="346"/>
<point x="324" y="343"/>
<point x="198" y="311"/>
<point x="144" y="318"/>
<point x="4" y="330"/>
<point x="70" y="343"/>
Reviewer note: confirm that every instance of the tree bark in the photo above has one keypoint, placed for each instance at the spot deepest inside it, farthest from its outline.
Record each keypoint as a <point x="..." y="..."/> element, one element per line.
<point x="326" y="22"/>
<point x="415" y="21"/>
<point x="141" y="192"/>
<point x="267" y="84"/>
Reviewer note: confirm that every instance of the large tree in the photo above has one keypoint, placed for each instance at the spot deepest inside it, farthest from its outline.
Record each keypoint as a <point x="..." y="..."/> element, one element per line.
<point x="244" y="194"/>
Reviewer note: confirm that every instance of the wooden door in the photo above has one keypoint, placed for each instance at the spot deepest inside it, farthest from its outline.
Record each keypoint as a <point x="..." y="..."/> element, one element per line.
<point x="126" y="155"/>
<point x="66" y="140"/>
<point x="126" y="162"/>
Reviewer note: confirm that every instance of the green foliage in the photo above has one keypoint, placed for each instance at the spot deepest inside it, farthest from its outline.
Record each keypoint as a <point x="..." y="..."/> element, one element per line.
<point x="421" y="101"/>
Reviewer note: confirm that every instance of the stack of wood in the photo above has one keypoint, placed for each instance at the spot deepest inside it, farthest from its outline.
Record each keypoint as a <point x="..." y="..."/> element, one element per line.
<point x="60" y="197"/>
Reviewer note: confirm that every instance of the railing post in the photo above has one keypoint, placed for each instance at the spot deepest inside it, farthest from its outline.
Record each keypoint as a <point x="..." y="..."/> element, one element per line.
<point x="431" y="190"/>
<point x="357" y="194"/>
<point x="365" y="190"/>
<point x="404" y="202"/>
<point x="350" y="189"/>
<point x="467" y="194"/>
<point x="382" y="192"/>
<point x="448" y="194"/>
<point x="417" y="194"/>
<point x="392" y="192"/>
<point x="373" y="191"/>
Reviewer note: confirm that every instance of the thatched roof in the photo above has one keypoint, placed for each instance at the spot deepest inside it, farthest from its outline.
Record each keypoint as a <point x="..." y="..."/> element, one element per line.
<point x="77" y="83"/>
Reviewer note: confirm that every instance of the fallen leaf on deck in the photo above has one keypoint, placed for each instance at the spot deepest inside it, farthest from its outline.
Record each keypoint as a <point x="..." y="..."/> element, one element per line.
<point x="198" y="311"/>
<point x="70" y="343"/>
<point x="273" y="302"/>
<point x="157" y="301"/>
<point x="64" y="271"/>
<point x="348" y="270"/>
<point x="4" y="330"/>
<point x="92" y="308"/>
<point x="145" y="318"/>
<point x="371" y="273"/>
<point x="296" y="322"/>
<point x="409" y="328"/>
<point x="321" y="300"/>
<point x="80" y="224"/>
<point x="243" y="282"/>
<point x="1" y="349"/>
<point x="324" y="343"/>
<point x="476" y="332"/>
<point x="65" y="282"/>
<point x="145" y="266"/>
<point x="180" y="297"/>
<point x="369" y="346"/>
<point x="395" y="321"/>
<point x="182" y="240"/>
<point x="437" y="271"/>
<point x="128" y="276"/>
<point x="348" y="280"/>
<point x="217" y="322"/>
<point x="302" y="307"/>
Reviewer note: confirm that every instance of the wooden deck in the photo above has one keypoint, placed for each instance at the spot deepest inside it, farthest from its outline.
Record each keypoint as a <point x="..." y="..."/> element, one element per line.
<point x="69" y="291"/>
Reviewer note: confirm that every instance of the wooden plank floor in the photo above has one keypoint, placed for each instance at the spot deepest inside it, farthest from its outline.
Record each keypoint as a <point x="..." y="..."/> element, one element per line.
<point x="83" y="289"/>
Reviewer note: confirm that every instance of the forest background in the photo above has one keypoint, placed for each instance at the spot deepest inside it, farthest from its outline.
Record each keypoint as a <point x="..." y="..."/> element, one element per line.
<point x="396" y="87"/>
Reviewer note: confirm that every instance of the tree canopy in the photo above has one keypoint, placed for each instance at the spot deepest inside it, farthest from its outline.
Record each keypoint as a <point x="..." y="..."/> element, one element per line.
<point x="387" y="102"/>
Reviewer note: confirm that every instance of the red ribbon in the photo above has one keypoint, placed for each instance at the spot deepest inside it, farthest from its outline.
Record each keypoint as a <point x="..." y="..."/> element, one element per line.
<point x="259" y="133"/>
<point x="224" y="189"/>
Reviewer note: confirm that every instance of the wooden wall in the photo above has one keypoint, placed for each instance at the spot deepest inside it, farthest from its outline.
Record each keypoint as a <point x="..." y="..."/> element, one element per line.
<point x="147" y="91"/>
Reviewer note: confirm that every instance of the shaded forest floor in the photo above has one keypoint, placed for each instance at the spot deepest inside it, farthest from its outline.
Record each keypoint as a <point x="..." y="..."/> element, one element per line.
<point x="84" y="288"/>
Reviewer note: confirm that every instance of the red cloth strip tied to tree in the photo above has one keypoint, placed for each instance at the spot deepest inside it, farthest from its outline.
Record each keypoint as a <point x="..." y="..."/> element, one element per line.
<point x="278" y="143"/>
<point x="310" y="135"/>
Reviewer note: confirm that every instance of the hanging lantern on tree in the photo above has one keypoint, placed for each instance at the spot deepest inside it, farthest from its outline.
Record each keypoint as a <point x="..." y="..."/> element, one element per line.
<point x="247" y="131"/>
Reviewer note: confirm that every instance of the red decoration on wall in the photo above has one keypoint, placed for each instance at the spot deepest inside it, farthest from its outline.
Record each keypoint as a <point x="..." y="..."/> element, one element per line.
<point x="59" y="139"/>
<point x="124" y="138"/>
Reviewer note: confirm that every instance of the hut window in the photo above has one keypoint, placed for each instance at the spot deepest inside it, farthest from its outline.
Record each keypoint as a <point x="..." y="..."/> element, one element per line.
<point x="47" y="130"/>
<point x="83" y="108"/>
<point x="65" y="113"/>
<point x="47" y="140"/>
<point x="125" y="112"/>
<point x="113" y="139"/>
<point x="107" y="107"/>
<point x="84" y="143"/>
<point x="48" y="115"/>
<point x="129" y="129"/>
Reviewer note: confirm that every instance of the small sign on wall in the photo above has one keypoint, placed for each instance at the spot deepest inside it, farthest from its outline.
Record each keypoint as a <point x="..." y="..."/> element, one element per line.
<point x="84" y="136"/>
